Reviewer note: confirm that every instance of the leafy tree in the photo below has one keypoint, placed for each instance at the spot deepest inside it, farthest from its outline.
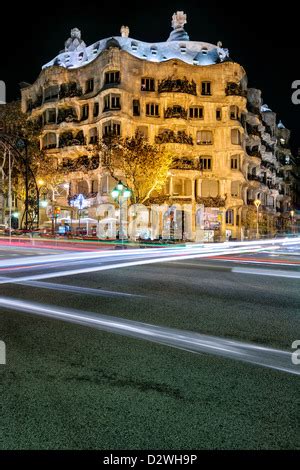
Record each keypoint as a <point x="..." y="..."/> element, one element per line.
<point x="143" y="166"/>
<point x="16" y="124"/>
<point x="266" y="222"/>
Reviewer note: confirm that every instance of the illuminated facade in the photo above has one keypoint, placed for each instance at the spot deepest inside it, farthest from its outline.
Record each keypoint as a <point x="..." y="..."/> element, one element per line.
<point x="188" y="96"/>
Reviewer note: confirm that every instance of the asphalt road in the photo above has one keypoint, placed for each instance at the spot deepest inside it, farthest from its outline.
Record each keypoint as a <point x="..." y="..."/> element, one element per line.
<point x="172" y="379"/>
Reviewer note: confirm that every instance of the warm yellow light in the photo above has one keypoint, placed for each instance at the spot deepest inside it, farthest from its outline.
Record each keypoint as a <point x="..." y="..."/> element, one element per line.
<point x="257" y="202"/>
<point x="41" y="182"/>
<point x="292" y="213"/>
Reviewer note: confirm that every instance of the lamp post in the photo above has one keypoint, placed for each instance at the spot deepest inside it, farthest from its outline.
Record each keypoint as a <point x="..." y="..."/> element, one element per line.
<point x="292" y="212"/>
<point x="41" y="203"/>
<point x="257" y="203"/>
<point x="121" y="193"/>
<point x="9" y="194"/>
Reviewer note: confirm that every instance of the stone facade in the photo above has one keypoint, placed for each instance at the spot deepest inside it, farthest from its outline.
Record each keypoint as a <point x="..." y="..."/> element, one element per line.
<point x="188" y="96"/>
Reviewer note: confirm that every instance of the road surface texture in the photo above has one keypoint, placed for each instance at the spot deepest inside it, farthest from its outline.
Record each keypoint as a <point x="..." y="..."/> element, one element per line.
<point x="191" y="350"/>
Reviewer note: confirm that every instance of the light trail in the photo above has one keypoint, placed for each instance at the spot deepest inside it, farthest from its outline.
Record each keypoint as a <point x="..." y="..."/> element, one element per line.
<point x="75" y="289"/>
<point x="267" y="272"/>
<point x="73" y="272"/>
<point x="180" y="339"/>
<point x="237" y="247"/>
<point x="239" y="260"/>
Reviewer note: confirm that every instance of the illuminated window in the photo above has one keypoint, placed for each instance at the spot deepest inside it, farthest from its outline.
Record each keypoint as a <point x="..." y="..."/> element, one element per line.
<point x="235" y="137"/>
<point x="210" y="188"/>
<point x="204" y="137"/>
<point x="177" y="187"/>
<point x="235" y="188"/>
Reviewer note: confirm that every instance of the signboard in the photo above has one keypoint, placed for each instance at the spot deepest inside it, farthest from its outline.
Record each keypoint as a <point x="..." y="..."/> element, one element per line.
<point x="211" y="218"/>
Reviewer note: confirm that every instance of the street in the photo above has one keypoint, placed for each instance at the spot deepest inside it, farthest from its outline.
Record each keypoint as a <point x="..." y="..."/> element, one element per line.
<point x="168" y="348"/>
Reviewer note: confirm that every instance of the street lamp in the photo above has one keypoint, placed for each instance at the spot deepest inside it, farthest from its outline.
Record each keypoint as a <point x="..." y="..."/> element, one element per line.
<point x="41" y="203"/>
<point x="257" y="203"/>
<point x="121" y="193"/>
<point x="292" y="212"/>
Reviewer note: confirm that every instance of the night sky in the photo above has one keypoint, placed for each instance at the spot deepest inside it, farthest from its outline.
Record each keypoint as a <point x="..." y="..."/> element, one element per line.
<point x="265" y="41"/>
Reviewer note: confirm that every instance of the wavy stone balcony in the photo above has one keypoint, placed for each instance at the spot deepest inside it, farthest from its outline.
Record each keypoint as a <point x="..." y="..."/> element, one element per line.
<point x="83" y="163"/>
<point x="65" y="90"/>
<point x="171" y="137"/>
<point x="175" y="112"/>
<point x="217" y="201"/>
<point x="235" y="89"/>
<point x="68" y="139"/>
<point x="185" y="164"/>
<point x="170" y="85"/>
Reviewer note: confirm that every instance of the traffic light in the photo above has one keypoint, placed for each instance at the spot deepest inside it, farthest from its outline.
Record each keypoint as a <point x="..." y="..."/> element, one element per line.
<point x="56" y="211"/>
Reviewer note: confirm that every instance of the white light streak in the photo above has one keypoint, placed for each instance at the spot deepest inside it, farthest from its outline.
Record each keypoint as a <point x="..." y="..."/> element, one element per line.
<point x="180" y="339"/>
